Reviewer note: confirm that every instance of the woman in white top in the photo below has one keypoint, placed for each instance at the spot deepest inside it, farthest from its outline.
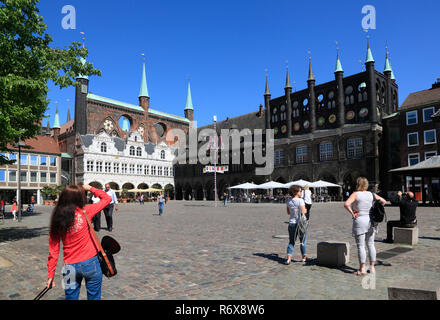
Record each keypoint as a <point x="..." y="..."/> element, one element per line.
<point x="295" y="207"/>
<point x="307" y="196"/>
<point x="359" y="204"/>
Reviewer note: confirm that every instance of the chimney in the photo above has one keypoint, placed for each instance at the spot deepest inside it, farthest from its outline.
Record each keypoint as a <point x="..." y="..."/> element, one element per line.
<point x="436" y="84"/>
<point x="260" y="111"/>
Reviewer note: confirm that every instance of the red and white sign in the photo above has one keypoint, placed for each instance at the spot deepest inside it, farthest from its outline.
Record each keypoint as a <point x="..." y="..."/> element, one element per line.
<point x="220" y="169"/>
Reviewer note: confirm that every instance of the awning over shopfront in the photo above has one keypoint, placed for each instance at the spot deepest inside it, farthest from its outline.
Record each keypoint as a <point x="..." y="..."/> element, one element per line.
<point x="427" y="168"/>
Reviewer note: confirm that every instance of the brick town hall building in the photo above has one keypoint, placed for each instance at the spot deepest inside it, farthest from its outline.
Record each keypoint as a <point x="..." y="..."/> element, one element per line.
<point x="97" y="150"/>
<point x="333" y="131"/>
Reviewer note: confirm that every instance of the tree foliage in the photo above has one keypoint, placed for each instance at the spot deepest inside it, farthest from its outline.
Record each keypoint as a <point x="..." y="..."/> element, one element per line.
<point x="27" y="63"/>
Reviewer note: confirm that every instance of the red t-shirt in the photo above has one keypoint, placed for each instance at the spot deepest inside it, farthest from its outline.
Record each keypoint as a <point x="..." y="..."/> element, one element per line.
<point x="78" y="244"/>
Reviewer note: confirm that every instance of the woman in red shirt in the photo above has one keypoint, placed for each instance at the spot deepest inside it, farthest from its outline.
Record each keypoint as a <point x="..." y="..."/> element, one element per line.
<point x="69" y="225"/>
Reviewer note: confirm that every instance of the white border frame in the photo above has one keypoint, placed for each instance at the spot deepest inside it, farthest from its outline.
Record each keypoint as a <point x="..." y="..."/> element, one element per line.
<point x="430" y="152"/>
<point x="418" y="141"/>
<point x="423" y="114"/>
<point x="417" y="117"/>
<point x="413" y="154"/>
<point x="435" y="136"/>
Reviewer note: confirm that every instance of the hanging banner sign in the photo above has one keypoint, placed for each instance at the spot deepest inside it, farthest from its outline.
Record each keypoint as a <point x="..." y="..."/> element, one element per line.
<point x="220" y="169"/>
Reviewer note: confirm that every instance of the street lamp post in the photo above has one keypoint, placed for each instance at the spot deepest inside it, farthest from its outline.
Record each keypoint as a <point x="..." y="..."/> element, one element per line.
<point x="215" y="161"/>
<point x="19" y="145"/>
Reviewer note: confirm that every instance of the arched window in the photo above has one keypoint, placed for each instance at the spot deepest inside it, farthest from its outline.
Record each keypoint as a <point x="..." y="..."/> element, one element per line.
<point x="103" y="147"/>
<point x="139" y="151"/>
<point x="131" y="151"/>
<point x="162" y="155"/>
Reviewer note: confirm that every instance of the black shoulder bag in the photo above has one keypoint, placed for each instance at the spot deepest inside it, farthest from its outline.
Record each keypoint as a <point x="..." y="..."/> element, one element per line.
<point x="377" y="211"/>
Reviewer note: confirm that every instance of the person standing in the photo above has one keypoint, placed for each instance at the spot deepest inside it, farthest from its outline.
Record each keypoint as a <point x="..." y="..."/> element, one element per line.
<point x="295" y="208"/>
<point x="14" y="209"/>
<point x="97" y="218"/>
<point x="408" y="219"/>
<point x="307" y="196"/>
<point x="364" y="230"/>
<point x="160" y="202"/>
<point x="108" y="210"/>
<point x="225" y="198"/>
<point x="69" y="225"/>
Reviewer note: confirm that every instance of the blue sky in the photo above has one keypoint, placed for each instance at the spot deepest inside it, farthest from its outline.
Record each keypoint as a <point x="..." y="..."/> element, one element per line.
<point x="225" y="46"/>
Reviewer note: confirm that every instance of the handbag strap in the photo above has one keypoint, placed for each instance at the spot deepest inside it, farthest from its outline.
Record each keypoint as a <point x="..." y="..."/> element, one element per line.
<point x="98" y="244"/>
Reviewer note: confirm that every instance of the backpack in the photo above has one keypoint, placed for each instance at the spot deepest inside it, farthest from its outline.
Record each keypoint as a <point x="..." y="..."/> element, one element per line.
<point x="377" y="211"/>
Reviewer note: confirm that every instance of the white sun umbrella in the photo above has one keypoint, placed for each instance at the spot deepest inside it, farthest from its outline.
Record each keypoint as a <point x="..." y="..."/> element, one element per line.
<point x="245" y="186"/>
<point x="302" y="183"/>
<point x="322" y="184"/>
<point x="271" y="185"/>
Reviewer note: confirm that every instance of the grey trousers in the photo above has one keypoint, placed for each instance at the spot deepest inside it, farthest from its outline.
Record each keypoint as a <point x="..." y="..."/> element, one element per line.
<point x="368" y="239"/>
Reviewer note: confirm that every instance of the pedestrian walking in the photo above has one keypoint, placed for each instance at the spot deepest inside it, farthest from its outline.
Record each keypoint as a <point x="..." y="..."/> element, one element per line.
<point x="108" y="210"/>
<point x="408" y="219"/>
<point x="160" y="202"/>
<point x="307" y="196"/>
<point x="364" y="230"/>
<point x="225" y="198"/>
<point x="295" y="208"/>
<point x="69" y="226"/>
<point x="142" y="199"/>
<point x="14" y="209"/>
<point x="2" y="209"/>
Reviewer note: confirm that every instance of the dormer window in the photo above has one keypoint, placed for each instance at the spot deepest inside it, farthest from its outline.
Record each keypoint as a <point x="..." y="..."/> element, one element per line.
<point x="139" y="151"/>
<point x="103" y="147"/>
<point x="132" y="151"/>
<point x="162" y="155"/>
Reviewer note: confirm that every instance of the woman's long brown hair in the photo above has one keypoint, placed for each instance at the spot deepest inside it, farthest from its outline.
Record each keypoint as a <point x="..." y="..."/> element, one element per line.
<point x="63" y="216"/>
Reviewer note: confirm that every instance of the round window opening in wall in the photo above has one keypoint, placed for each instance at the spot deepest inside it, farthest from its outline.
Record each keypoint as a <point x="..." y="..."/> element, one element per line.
<point x="161" y="128"/>
<point x="349" y="90"/>
<point x="305" y="102"/>
<point x="320" y="97"/>
<point x="331" y="95"/>
<point x="295" y="104"/>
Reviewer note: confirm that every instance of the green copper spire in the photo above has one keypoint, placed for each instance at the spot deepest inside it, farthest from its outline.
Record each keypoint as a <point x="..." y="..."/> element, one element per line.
<point x="125" y="124"/>
<point x="68" y="114"/>
<point x="288" y="85"/>
<point x="267" y="92"/>
<point x="80" y="76"/>
<point x="189" y="103"/>
<point x="311" y="75"/>
<point x="369" y="54"/>
<point x="56" y="124"/>
<point x="48" y="127"/>
<point x="387" y="65"/>
<point x="338" y="64"/>
<point x="144" y="90"/>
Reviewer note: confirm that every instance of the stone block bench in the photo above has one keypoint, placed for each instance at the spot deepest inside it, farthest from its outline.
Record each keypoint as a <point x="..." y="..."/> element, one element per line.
<point x="414" y="290"/>
<point x="333" y="253"/>
<point x="406" y="235"/>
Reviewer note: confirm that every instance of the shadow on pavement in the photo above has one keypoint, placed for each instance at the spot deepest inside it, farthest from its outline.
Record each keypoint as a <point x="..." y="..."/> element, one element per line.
<point x="19" y="233"/>
<point x="273" y="256"/>
<point x="429" y="238"/>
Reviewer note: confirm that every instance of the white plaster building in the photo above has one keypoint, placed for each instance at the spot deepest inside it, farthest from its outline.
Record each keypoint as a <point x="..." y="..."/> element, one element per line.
<point x="124" y="163"/>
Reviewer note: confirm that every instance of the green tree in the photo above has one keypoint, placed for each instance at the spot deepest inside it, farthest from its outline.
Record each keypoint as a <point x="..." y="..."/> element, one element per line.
<point x="27" y="64"/>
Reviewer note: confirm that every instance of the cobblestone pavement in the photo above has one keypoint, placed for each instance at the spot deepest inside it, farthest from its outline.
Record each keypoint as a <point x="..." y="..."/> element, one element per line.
<point x="196" y="251"/>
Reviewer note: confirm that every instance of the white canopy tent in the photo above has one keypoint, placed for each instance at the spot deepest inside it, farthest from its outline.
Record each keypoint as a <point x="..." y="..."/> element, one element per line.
<point x="302" y="183"/>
